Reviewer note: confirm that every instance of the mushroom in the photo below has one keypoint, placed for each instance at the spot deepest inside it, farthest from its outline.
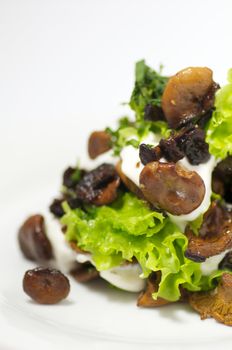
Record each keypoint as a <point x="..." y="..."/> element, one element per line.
<point x="171" y="187"/>
<point x="145" y="298"/>
<point x="215" y="235"/>
<point x="99" y="142"/>
<point x="188" y="94"/>
<point x="85" y="272"/>
<point x="216" y="303"/>
<point x="33" y="240"/>
<point x="99" y="186"/>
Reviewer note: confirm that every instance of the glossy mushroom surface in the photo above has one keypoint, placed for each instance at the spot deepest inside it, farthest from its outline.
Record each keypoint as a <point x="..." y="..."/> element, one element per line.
<point x="188" y="94"/>
<point x="171" y="187"/>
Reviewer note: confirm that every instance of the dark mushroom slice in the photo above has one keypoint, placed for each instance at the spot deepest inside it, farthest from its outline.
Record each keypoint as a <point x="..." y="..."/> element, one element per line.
<point x="149" y="154"/>
<point x="56" y="208"/>
<point x="215" y="236"/>
<point x="99" y="186"/>
<point x="171" y="187"/>
<point x="216" y="303"/>
<point x="145" y="298"/>
<point x="99" y="142"/>
<point x="153" y="113"/>
<point x="222" y="179"/>
<point x="195" y="147"/>
<point x="127" y="182"/>
<point x="72" y="176"/>
<point x="85" y="272"/>
<point x="226" y="263"/>
<point x="188" y="94"/>
<point x="33" y="240"/>
<point x="108" y="194"/>
<point x="46" y="286"/>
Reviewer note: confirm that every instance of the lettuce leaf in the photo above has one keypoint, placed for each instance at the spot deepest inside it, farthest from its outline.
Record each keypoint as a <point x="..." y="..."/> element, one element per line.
<point x="219" y="130"/>
<point x="127" y="229"/>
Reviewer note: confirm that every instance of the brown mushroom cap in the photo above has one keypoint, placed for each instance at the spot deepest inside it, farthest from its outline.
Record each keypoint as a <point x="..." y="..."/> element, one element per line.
<point x="216" y="240"/>
<point x="171" y="187"/>
<point x="33" y="240"/>
<point x="188" y="94"/>
<point x="145" y="298"/>
<point x="217" y="303"/>
<point x="99" y="142"/>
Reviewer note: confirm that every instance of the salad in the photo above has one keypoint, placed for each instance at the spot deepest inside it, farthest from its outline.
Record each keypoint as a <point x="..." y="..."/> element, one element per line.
<point x="149" y="207"/>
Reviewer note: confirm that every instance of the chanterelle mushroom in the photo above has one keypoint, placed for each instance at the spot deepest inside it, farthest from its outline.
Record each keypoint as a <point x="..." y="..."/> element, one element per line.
<point x="188" y="94"/>
<point x="145" y="298"/>
<point x="215" y="234"/>
<point x="216" y="303"/>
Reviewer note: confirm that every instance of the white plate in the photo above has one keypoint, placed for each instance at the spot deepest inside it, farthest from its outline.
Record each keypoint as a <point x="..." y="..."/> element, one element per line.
<point x="94" y="314"/>
<point x="65" y="66"/>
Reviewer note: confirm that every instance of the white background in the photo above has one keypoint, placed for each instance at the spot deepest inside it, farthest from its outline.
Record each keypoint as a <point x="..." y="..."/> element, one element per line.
<point x="65" y="67"/>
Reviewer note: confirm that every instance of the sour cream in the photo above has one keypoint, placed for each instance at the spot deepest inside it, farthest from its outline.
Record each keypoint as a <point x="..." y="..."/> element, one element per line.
<point x="211" y="264"/>
<point x="126" y="277"/>
<point x="64" y="256"/>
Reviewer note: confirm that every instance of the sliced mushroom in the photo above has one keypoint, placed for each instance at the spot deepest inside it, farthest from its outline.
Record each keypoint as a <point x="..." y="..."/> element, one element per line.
<point x="217" y="303"/>
<point x="222" y="179"/>
<point x="99" y="142"/>
<point x="217" y="236"/>
<point x="149" y="154"/>
<point x="127" y="182"/>
<point x="108" y="194"/>
<point x="188" y="94"/>
<point x="226" y="263"/>
<point x="145" y="298"/>
<point x="171" y="187"/>
<point x="33" y="240"/>
<point x="99" y="186"/>
<point x="85" y="272"/>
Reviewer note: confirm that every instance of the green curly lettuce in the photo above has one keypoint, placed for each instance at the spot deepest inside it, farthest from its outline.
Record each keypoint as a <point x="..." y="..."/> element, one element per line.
<point x="219" y="130"/>
<point x="129" y="228"/>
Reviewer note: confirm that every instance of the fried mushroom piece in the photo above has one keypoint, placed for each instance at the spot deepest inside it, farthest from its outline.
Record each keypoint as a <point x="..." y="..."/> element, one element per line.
<point x="99" y="142"/>
<point x="171" y="187"/>
<point x="45" y="285"/>
<point x="222" y="179"/>
<point x="188" y="94"/>
<point x="99" y="186"/>
<point x="85" y="272"/>
<point x="33" y="240"/>
<point x="145" y="298"/>
<point x="216" y="303"/>
<point x="215" y="235"/>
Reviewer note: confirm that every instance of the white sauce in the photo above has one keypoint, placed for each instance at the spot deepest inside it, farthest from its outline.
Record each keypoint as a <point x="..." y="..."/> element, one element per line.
<point x="64" y="256"/>
<point x="126" y="277"/>
<point x="211" y="264"/>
